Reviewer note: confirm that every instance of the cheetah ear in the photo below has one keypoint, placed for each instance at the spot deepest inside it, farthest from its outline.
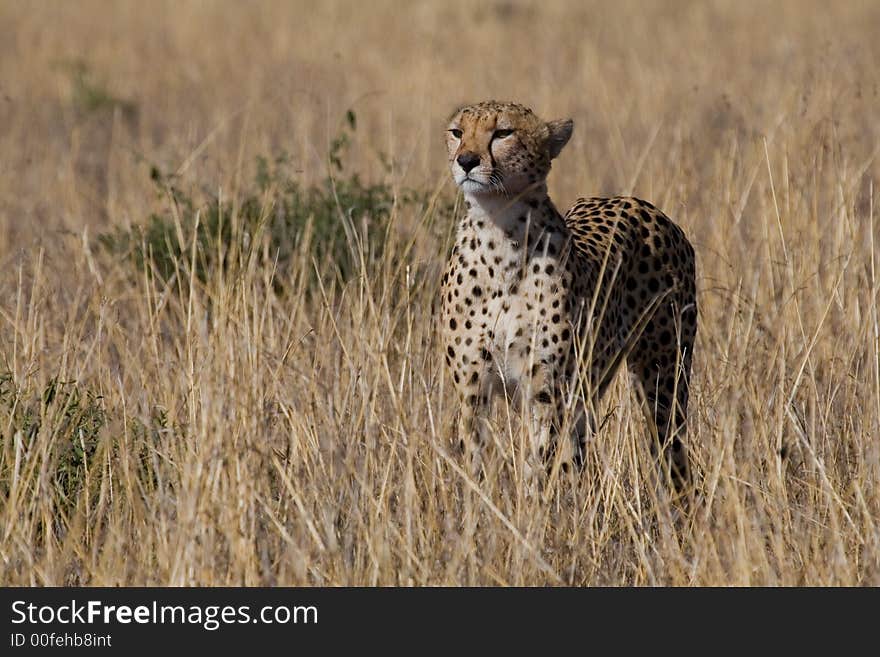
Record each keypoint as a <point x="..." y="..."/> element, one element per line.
<point x="559" y="134"/>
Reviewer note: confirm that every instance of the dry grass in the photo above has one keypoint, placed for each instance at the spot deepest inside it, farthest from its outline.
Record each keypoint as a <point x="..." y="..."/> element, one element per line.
<point x="285" y="426"/>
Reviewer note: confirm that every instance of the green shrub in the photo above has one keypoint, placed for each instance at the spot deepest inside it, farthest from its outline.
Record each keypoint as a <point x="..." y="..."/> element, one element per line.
<point x="90" y="95"/>
<point x="75" y="416"/>
<point x="274" y="212"/>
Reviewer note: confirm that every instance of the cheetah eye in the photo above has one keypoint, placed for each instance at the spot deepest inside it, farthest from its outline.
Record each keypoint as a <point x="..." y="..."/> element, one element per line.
<point x="501" y="134"/>
<point x="455" y="132"/>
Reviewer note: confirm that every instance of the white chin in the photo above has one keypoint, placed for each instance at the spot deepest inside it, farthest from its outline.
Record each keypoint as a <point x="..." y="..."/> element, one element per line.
<point x="469" y="186"/>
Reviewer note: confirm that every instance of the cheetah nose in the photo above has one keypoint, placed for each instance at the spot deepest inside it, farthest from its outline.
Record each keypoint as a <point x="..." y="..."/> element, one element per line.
<point x="468" y="161"/>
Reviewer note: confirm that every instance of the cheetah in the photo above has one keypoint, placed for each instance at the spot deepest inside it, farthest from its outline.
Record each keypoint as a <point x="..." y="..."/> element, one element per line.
<point x="542" y="308"/>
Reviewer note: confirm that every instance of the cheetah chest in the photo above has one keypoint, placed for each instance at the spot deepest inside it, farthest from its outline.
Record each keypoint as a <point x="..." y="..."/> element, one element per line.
<point x="506" y="311"/>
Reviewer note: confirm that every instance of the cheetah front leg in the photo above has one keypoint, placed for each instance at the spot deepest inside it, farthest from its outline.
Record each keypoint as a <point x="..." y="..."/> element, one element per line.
<point x="553" y="441"/>
<point x="473" y="429"/>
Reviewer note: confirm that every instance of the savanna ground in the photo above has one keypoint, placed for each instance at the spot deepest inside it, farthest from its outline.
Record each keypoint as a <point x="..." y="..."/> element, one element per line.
<point x="222" y="227"/>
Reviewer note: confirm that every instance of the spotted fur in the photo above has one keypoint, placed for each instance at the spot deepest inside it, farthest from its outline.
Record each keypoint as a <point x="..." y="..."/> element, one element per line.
<point x="543" y="308"/>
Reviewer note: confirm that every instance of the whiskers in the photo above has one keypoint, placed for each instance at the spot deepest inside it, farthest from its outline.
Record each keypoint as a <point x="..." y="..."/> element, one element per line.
<point x="484" y="183"/>
<point x="496" y="182"/>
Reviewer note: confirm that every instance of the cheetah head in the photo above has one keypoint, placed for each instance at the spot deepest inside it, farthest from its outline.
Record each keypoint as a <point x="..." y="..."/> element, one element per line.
<point x="502" y="149"/>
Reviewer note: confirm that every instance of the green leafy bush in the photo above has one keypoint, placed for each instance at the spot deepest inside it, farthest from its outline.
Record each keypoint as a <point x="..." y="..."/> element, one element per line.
<point x="76" y="417"/>
<point x="267" y="220"/>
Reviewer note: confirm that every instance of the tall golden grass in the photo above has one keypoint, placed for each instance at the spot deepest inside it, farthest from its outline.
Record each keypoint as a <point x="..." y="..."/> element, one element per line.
<point x="246" y="436"/>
